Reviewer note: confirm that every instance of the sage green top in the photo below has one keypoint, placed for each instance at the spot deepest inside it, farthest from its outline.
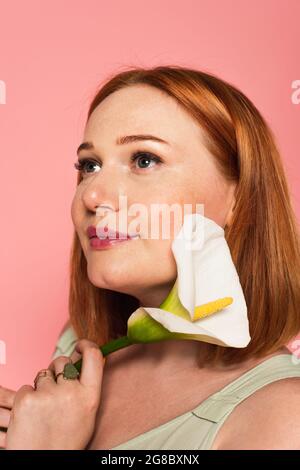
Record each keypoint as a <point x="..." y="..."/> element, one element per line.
<point x="197" y="428"/>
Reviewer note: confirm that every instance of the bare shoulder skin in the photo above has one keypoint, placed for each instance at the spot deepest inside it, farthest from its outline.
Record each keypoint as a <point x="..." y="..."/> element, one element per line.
<point x="268" y="419"/>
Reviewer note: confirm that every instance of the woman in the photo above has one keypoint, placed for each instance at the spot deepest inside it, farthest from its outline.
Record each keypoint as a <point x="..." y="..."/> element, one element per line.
<point x="215" y="148"/>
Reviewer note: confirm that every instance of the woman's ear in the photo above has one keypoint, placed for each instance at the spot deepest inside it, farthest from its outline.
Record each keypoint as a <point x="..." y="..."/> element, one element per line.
<point x="231" y="208"/>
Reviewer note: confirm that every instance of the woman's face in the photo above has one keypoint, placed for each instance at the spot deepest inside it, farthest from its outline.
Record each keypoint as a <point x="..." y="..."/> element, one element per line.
<point x="186" y="174"/>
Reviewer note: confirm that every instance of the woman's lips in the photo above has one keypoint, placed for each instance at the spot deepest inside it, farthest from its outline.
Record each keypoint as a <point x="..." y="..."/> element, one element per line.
<point x="111" y="238"/>
<point x="100" y="244"/>
<point x="109" y="234"/>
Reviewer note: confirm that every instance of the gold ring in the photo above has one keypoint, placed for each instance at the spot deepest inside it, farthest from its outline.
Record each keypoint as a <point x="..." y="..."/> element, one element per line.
<point x="57" y="375"/>
<point x="42" y="373"/>
<point x="69" y="373"/>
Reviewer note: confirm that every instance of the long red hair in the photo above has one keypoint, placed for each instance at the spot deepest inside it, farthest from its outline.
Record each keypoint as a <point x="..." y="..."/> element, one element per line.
<point x="263" y="234"/>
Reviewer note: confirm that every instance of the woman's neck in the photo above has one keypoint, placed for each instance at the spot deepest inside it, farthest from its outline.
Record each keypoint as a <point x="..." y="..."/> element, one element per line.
<point x="174" y="357"/>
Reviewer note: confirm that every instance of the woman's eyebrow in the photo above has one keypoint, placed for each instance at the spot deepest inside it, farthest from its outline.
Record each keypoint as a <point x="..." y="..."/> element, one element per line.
<point x="125" y="140"/>
<point x="134" y="138"/>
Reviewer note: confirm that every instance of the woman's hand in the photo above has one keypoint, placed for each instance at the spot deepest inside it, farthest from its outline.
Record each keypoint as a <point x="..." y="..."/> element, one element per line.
<point x="6" y="403"/>
<point x="59" y="415"/>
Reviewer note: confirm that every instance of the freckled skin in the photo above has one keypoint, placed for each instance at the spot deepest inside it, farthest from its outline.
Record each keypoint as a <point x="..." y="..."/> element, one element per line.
<point x="188" y="175"/>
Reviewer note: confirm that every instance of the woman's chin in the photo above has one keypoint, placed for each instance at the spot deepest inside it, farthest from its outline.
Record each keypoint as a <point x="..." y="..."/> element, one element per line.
<point x="111" y="277"/>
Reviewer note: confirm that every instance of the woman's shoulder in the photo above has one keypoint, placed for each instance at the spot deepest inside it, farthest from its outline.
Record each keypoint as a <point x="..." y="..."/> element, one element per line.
<point x="267" y="419"/>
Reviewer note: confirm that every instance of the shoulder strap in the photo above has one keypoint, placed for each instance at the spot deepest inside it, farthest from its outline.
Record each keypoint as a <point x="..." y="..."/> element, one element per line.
<point x="220" y="404"/>
<point x="66" y="343"/>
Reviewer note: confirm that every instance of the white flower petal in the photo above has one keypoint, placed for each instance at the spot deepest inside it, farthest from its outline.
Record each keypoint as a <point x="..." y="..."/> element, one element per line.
<point x="205" y="273"/>
<point x="220" y="333"/>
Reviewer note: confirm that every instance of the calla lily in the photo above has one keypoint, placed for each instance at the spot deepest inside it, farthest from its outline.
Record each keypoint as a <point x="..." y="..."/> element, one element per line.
<point x="206" y="302"/>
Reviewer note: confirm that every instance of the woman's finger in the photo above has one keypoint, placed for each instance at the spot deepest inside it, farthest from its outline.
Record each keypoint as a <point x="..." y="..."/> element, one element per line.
<point x="4" y="417"/>
<point x="44" y="379"/>
<point x="7" y="397"/>
<point x="23" y="391"/>
<point x="57" y="366"/>
<point x="2" y="439"/>
<point x="75" y="356"/>
<point x="92" y="364"/>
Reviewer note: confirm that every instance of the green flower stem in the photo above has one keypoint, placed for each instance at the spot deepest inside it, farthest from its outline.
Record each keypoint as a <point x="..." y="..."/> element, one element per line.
<point x="171" y="303"/>
<point x="108" y="348"/>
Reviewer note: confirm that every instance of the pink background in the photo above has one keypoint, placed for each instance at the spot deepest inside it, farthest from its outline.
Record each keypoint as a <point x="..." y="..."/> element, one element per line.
<point x="53" y="54"/>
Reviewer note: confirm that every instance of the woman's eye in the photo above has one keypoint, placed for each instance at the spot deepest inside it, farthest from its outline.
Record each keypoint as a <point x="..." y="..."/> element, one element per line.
<point x="84" y="164"/>
<point x="145" y="158"/>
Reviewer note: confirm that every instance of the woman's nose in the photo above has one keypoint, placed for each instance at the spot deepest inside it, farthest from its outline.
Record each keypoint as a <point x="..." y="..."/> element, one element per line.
<point x="103" y="190"/>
